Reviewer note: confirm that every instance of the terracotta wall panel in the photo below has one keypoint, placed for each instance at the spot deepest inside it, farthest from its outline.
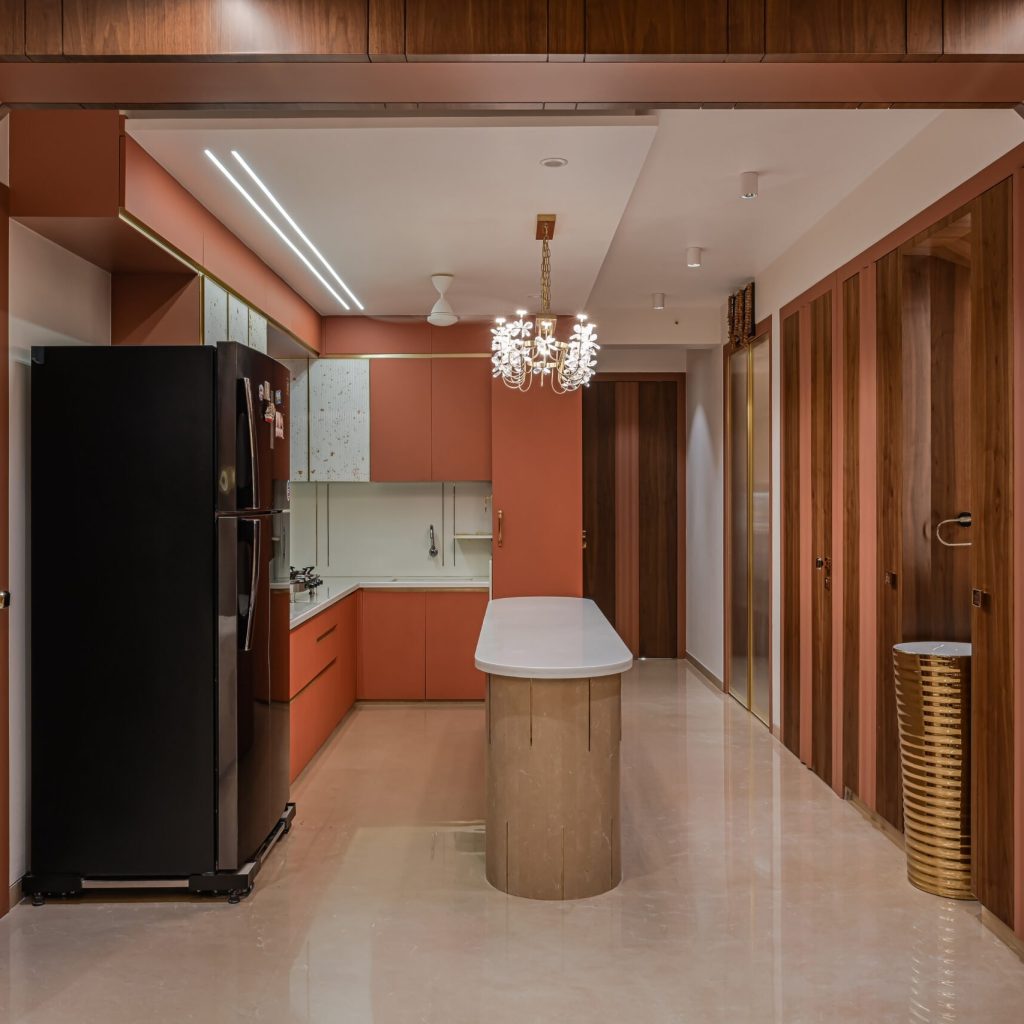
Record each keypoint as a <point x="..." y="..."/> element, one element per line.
<point x="155" y="309"/>
<point x="361" y="335"/>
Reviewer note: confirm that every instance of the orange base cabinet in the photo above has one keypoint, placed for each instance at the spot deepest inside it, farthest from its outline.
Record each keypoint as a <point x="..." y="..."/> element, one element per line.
<point x="322" y="671"/>
<point x="392" y="640"/>
<point x="453" y="628"/>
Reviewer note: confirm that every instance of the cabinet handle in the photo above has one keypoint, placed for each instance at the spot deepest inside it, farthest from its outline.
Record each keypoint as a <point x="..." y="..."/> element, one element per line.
<point x="324" y="636"/>
<point x="584" y="540"/>
<point x="501" y="522"/>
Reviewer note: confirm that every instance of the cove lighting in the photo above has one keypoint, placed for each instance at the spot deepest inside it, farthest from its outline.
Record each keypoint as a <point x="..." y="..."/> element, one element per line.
<point x="284" y="238"/>
<point x="287" y="216"/>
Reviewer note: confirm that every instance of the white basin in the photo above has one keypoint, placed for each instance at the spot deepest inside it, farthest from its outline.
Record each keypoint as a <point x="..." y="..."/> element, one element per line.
<point x="936" y="648"/>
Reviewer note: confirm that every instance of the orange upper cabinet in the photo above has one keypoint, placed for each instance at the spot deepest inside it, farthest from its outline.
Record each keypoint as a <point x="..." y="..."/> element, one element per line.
<point x="400" y="419"/>
<point x="537" y="469"/>
<point x="460" y="419"/>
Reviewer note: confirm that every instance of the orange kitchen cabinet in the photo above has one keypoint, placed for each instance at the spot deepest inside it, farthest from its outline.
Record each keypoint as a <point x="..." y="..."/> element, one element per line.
<point x="537" y="470"/>
<point x="314" y="646"/>
<point x="453" y="628"/>
<point x="392" y="642"/>
<point x="460" y="419"/>
<point x="400" y="419"/>
<point x="348" y="639"/>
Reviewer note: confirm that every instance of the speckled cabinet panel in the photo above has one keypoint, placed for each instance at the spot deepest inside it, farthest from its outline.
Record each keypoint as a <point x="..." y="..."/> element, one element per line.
<point x="238" y="320"/>
<point x="339" y="419"/>
<point x="215" y="312"/>
<point x="258" y="331"/>
<point x="298" y="394"/>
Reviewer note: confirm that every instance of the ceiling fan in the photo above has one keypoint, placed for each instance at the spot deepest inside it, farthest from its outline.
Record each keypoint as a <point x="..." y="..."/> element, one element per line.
<point x="442" y="315"/>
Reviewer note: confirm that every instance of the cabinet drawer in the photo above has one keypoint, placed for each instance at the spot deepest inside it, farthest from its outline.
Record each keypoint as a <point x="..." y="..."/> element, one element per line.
<point x="314" y="645"/>
<point x="314" y="715"/>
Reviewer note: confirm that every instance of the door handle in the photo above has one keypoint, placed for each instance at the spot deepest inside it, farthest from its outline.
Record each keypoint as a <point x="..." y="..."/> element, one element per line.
<point x="501" y="522"/>
<point x="5" y="599"/>
<point x="584" y="540"/>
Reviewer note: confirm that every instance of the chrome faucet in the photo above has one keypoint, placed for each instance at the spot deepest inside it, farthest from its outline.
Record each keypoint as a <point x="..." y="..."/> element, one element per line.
<point x="433" y="546"/>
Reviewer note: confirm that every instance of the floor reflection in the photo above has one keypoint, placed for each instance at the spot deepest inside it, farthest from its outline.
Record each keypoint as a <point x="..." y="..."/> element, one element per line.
<point x="751" y="894"/>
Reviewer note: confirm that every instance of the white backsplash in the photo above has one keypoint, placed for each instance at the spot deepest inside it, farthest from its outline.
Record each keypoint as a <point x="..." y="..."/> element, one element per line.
<point x="377" y="529"/>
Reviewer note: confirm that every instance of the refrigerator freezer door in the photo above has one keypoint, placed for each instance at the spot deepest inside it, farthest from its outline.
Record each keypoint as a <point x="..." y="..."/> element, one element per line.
<point x="252" y="393"/>
<point x="251" y="728"/>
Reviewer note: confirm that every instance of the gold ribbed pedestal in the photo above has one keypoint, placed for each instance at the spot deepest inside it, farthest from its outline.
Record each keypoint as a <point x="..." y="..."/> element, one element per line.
<point x="553" y="786"/>
<point x="933" y="701"/>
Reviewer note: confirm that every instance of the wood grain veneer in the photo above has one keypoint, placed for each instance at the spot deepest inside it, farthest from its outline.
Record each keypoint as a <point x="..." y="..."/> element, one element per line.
<point x="790" y="513"/>
<point x="890" y="447"/>
<point x="828" y="28"/>
<point x="657" y="485"/>
<point x="851" y="299"/>
<point x="467" y="28"/>
<point x="977" y="28"/>
<point x="648" y="27"/>
<point x="992" y="696"/>
<point x="821" y="528"/>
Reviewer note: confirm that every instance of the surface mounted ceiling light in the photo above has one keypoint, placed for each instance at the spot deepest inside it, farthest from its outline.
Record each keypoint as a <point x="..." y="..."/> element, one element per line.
<point x="748" y="185"/>
<point x="658" y="300"/>
<point x="442" y="315"/>
<point x="295" y="227"/>
<point x="524" y="349"/>
<point x="554" y="161"/>
<point x="693" y="256"/>
<point x="284" y="238"/>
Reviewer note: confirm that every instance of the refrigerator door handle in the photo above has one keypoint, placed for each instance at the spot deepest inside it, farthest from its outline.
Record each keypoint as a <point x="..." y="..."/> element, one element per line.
<point x="254" y="463"/>
<point x="257" y="544"/>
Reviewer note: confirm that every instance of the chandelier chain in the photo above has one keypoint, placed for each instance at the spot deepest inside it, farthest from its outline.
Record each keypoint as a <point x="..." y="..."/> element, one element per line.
<point x="545" y="277"/>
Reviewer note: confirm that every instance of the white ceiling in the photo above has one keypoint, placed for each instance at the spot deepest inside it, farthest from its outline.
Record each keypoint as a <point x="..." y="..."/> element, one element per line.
<point x="389" y="202"/>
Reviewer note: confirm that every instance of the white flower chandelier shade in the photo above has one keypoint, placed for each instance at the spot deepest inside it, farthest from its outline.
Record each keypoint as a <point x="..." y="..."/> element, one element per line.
<point x="525" y="349"/>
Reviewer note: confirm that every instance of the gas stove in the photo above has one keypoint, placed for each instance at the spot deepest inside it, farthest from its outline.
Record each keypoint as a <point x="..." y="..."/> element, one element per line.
<point x="304" y="581"/>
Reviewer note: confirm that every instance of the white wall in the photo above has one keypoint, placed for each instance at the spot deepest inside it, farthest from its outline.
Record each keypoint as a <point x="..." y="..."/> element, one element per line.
<point x="642" y="359"/>
<point x="705" y="580"/>
<point x="55" y="299"/>
<point x="948" y="151"/>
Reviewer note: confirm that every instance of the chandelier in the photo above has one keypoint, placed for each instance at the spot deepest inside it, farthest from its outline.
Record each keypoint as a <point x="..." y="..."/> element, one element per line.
<point x="527" y="349"/>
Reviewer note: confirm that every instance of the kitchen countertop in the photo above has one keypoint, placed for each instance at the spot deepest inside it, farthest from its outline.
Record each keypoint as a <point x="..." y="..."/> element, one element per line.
<point x="337" y="587"/>
<point x="549" y="638"/>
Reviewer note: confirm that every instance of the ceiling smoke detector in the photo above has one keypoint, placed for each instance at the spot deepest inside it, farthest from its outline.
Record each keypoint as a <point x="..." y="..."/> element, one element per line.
<point x="442" y="315"/>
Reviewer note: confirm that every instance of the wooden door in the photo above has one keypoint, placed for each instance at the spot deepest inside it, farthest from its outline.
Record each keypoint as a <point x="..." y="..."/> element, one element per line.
<point x="821" y="535"/>
<point x="5" y="759"/>
<point x="992" y="634"/>
<point x="888" y="787"/>
<point x="790" y="519"/>
<point x="600" y="484"/>
<point x="537" y="467"/>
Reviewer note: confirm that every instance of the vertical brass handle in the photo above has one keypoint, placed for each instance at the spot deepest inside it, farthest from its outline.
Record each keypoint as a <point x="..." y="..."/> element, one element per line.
<point x="501" y="519"/>
<point x="584" y="540"/>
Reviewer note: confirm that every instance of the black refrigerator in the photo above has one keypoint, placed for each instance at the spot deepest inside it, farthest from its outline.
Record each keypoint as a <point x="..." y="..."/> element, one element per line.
<point x="159" y="502"/>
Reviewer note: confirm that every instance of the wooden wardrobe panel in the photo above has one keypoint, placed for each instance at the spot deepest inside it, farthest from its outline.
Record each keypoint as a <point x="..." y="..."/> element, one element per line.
<point x="889" y="795"/>
<point x="851" y="532"/>
<point x="119" y="28"/>
<point x="924" y="27"/>
<point x="833" y="27"/>
<point x="746" y="27"/>
<point x="992" y="698"/>
<point x="670" y="27"/>
<point x="44" y="30"/>
<point x="658" y="479"/>
<point x="982" y="28"/>
<point x="821" y="531"/>
<point x="386" y="30"/>
<point x="566" y="29"/>
<point x="599" y="495"/>
<point x="464" y="28"/>
<point x="12" y="28"/>
<point x="790" y="499"/>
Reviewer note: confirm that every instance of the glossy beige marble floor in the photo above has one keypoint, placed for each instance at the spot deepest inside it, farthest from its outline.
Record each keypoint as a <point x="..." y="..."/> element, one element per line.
<point x="751" y="894"/>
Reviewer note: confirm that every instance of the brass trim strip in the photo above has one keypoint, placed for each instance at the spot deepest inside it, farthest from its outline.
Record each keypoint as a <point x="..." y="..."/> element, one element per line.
<point x="198" y="268"/>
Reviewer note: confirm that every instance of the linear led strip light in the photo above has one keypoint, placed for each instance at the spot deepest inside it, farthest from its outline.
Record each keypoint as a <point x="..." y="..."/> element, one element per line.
<point x="284" y="238"/>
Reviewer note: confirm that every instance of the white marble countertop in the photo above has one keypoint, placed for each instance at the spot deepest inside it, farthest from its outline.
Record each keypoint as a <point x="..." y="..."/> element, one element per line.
<point x="334" y="588"/>
<point x="549" y="638"/>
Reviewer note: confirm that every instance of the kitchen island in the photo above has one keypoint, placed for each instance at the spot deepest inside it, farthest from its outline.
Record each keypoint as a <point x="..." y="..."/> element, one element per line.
<point x="553" y="669"/>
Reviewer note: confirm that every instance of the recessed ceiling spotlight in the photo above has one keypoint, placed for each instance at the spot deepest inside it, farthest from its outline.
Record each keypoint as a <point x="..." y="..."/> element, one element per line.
<point x="748" y="185"/>
<point x="658" y="300"/>
<point x="553" y="161"/>
<point x="693" y="256"/>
